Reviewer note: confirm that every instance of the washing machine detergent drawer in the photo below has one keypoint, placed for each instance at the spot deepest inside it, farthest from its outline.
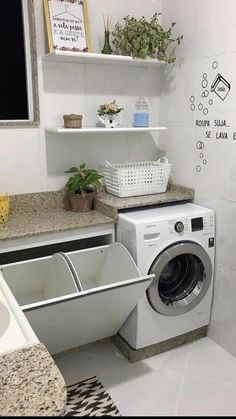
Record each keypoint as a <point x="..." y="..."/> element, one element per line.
<point x="74" y="298"/>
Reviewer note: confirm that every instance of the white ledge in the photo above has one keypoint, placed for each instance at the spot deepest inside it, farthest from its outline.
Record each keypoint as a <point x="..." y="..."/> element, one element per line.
<point x="96" y="130"/>
<point x="93" y="58"/>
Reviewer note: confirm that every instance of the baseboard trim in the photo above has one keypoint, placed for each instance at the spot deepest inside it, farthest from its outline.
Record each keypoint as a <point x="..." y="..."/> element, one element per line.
<point x="134" y="355"/>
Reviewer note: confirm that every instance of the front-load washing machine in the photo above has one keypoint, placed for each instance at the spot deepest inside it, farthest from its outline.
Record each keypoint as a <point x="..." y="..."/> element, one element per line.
<point x="176" y="243"/>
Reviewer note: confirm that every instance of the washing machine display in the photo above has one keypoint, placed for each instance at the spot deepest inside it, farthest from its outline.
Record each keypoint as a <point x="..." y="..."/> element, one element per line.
<point x="177" y="243"/>
<point x="183" y="274"/>
<point x="197" y="224"/>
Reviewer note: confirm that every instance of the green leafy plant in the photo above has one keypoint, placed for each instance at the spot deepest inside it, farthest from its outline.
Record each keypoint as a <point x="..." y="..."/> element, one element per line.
<point x="83" y="180"/>
<point x="144" y="38"/>
<point x="109" y="109"/>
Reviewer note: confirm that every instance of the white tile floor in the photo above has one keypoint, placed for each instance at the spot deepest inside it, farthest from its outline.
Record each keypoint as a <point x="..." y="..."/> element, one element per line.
<point x="196" y="379"/>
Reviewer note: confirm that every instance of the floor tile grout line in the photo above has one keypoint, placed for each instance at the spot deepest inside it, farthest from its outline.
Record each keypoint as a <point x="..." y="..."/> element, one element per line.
<point x="214" y="380"/>
<point x="182" y="382"/>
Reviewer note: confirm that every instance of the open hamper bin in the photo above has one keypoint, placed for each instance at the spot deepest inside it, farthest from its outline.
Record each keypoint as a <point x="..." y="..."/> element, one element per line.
<point x="74" y="298"/>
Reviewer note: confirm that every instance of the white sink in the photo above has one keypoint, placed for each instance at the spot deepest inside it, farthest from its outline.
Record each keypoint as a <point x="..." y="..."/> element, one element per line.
<point x="15" y="330"/>
<point x="5" y="319"/>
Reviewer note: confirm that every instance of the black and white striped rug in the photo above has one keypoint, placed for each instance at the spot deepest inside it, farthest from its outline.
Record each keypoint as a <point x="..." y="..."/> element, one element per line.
<point x="89" y="398"/>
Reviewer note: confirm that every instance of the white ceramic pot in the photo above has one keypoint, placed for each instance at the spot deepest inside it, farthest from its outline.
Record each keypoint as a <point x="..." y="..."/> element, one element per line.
<point x="110" y="121"/>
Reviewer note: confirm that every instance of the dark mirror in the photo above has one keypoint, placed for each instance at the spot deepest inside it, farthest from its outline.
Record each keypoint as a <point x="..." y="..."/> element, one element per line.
<point x="18" y="68"/>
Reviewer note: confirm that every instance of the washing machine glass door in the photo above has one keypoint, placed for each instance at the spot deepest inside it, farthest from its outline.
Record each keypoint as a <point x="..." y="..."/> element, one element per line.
<point x="183" y="273"/>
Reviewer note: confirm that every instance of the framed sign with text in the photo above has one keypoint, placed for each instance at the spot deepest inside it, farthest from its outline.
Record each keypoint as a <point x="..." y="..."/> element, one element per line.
<point x="67" y="25"/>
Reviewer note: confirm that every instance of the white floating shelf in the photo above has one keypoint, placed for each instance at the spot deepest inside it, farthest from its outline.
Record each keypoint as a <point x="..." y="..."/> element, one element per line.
<point x="102" y="130"/>
<point x="92" y="58"/>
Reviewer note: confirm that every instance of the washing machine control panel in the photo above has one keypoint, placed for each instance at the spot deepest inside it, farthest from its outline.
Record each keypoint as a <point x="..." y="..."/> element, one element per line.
<point x="204" y="224"/>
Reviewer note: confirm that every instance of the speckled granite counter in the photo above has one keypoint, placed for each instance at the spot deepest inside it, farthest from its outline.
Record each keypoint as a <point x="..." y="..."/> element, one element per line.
<point x="110" y="205"/>
<point x="49" y="221"/>
<point x="31" y="384"/>
<point x="35" y="214"/>
<point x="38" y="213"/>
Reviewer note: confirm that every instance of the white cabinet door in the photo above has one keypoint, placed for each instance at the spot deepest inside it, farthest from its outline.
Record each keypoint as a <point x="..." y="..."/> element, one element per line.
<point x="88" y="317"/>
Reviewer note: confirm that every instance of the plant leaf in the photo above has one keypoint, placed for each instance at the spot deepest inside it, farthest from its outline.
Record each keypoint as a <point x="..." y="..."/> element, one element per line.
<point x="72" y="170"/>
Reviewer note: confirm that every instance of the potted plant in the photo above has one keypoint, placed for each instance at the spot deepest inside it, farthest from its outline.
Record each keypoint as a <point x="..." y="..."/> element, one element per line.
<point x="142" y="38"/>
<point x="109" y="114"/>
<point x="81" y="187"/>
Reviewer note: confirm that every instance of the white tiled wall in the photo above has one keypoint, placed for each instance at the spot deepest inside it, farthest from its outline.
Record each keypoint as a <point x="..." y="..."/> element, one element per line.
<point x="209" y="33"/>
<point x="32" y="161"/>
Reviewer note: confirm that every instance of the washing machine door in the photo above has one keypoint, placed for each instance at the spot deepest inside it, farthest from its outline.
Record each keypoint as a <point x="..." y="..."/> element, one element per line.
<point x="183" y="273"/>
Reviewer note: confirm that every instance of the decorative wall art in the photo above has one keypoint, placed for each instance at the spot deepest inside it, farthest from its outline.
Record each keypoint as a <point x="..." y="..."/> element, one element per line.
<point x="67" y="25"/>
<point x="212" y="106"/>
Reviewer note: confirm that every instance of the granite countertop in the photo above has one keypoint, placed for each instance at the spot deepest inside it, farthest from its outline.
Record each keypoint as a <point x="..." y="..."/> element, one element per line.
<point x="111" y="204"/>
<point x="44" y="212"/>
<point x="31" y="384"/>
<point x="38" y="213"/>
<point x="49" y="221"/>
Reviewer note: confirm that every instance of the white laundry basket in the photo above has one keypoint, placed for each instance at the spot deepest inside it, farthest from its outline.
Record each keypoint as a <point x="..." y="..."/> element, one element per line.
<point x="137" y="178"/>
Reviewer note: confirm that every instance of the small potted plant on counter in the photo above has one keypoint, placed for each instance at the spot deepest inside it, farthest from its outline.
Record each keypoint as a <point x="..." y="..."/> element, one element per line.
<point x="81" y="187"/>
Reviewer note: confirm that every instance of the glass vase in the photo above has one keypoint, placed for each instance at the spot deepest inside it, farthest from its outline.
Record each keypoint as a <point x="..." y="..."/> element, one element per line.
<point x="106" y="47"/>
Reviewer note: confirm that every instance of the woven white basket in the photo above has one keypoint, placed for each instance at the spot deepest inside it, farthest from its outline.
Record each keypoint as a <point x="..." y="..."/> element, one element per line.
<point x="137" y="178"/>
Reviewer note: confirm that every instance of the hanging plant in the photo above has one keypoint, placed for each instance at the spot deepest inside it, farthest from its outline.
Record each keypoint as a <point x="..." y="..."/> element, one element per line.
<point x="142" y="38"/>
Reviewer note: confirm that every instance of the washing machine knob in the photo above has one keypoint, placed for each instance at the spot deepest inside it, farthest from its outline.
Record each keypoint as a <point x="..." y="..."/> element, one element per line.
<point x="179" y="227"/>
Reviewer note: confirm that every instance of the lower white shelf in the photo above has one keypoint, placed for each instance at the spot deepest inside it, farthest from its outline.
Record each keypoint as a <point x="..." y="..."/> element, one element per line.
<point x="96" y="130"/>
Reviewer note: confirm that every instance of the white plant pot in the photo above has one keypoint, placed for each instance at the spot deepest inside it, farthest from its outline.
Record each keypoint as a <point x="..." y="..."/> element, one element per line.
<point x="110" y="121"/>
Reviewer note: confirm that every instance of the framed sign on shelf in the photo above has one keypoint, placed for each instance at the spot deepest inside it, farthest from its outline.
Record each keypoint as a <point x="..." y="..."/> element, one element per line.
<point x="67" y="25"/>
